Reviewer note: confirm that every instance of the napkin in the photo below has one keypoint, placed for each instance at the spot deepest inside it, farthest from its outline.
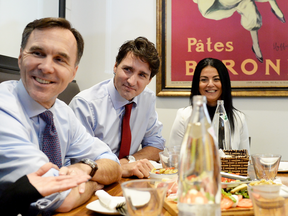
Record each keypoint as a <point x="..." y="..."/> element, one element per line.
<point x="109" y="201"/>
<point x="223" y="155"/>
<point x="155" y="164"/>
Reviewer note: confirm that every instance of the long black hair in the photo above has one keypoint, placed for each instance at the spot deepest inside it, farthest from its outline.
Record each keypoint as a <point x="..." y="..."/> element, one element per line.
<point x="226" y="95"/>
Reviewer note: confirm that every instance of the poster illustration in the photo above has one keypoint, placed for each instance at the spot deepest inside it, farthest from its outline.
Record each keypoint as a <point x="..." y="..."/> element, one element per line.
<point x="250" y="37"/>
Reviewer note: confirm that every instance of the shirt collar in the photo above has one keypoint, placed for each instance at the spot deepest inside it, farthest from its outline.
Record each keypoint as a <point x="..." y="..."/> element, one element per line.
<point x="116" y="98"/>
<point x="31" y="107"/>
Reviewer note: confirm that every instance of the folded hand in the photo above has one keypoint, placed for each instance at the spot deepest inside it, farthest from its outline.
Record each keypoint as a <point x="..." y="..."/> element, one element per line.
<point x="139" y="168"/>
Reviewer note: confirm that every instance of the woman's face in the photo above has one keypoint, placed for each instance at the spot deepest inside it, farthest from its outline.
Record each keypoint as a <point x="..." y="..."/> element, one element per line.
<point x="210" y="85"/>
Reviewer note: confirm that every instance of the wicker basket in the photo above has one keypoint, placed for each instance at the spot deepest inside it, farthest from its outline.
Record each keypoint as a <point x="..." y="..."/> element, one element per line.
<point x="238" y="163"/>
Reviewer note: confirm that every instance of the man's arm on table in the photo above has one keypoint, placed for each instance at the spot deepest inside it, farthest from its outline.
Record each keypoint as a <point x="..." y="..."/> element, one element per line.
<point x="141" y="167"/>
<point x="108" y="172"/>
<point x="75" y="199"/>
<point x="149" y="152"/>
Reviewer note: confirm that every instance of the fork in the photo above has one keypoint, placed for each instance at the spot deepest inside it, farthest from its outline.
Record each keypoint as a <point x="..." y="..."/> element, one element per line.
<point x="121" y="208"/>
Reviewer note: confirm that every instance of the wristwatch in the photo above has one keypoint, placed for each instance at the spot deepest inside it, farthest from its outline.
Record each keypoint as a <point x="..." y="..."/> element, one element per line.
<point x="90" y="163"/>
<point x="131" y="158"/>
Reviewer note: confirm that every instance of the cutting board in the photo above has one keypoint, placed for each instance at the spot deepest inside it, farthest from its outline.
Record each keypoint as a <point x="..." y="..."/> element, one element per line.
<point x="171" y="207"/>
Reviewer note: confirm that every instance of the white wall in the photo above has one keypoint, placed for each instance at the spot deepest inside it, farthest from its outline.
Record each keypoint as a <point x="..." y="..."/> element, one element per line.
<point x="105" y="25"/>
<point x="15" y="15"/>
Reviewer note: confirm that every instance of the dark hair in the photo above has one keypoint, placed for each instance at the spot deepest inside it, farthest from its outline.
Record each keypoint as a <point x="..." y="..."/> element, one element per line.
<point x="51" y="22"/>
<point x="226" y="95"/>
<point x="143" y="49"/>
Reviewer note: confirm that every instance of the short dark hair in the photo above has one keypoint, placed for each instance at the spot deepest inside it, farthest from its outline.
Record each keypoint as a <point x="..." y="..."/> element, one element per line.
<point x="51" y="22"/>
<point x="143" y="49"/>
<point x="226" y="95"/>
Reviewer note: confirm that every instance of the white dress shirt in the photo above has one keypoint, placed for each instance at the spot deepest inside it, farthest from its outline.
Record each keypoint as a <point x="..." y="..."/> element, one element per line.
<point x="101" y="109"/>
<point x="21" y="130"/>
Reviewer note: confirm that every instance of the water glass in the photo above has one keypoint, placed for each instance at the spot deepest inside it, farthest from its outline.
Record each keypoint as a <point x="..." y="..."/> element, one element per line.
<point x="169" y="159"/>
<point x="251" y="172"/>
<point x="177" y="149"/>
<point x="144" y="197"/>
<point x="266" y="165"/>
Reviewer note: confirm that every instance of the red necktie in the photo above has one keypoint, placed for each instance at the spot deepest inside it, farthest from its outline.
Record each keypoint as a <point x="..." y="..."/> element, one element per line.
<point x="51" y="144"/>
<point x="126" y="132"/>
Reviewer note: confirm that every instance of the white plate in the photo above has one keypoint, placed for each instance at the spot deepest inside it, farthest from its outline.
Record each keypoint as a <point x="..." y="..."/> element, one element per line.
<point x="98" y="207"/>
<point x="283" y="167"/>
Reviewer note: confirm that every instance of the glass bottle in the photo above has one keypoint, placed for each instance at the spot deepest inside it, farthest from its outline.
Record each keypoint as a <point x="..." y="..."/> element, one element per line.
<point x="199" y="184"/>
<point x="221" y="127"/>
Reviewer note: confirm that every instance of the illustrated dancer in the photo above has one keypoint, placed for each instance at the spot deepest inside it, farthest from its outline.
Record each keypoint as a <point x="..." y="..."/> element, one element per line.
<point x="251" y="19"/>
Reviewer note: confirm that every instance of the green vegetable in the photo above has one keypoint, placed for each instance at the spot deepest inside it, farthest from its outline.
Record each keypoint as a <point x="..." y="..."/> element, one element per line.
<point x="229" y="195"/>
<point x="244" y="193"/>
<point x="239" y="188"/>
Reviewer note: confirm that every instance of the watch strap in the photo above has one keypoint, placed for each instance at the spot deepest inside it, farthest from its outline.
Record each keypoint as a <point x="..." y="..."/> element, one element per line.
<point x="90" y="163"/>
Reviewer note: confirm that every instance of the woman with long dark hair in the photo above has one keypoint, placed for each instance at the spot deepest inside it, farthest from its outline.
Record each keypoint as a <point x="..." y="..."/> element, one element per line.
<point x="211" y="79"/>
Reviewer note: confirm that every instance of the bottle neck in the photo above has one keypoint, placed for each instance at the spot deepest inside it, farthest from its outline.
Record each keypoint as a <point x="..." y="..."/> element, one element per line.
<point x="200" y="113"/>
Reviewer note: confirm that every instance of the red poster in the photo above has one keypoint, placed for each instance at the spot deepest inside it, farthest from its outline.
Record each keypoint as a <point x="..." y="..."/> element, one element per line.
<point x="250" y="37"/>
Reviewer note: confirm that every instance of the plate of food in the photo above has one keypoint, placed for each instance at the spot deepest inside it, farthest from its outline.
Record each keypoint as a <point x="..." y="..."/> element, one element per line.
<point x="234" y="199"/>
<point x="164" y="173"/>
<point x="230" y="183"/>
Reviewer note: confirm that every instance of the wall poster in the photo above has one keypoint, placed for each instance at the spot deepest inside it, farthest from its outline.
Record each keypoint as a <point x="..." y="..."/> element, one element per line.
<point x="249" y="36"/>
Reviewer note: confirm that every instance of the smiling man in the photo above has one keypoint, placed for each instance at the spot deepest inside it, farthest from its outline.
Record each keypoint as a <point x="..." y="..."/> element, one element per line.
<point x="36" y="127"/>
<point x="102" y="109"/>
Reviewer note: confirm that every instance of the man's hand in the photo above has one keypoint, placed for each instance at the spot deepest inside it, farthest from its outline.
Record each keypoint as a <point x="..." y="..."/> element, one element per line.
<point x="77" y="169"/>
<point x="53" y="184"/>
<point x="79" y="195"/>
<point x="140" y="168"/>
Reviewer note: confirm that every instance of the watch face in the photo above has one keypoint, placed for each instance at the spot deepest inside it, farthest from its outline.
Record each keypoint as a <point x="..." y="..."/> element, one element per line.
<point x="131" y="158"/>
<point x="92" y="164"/>
<point x="89" y="161"/>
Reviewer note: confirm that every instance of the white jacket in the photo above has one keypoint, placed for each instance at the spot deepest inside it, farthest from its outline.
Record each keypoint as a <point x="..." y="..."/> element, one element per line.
<point x="239" y="139"/>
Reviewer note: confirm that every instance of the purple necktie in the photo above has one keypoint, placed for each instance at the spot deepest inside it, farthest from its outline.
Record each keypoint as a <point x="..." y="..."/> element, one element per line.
<point x="51" y="144"/>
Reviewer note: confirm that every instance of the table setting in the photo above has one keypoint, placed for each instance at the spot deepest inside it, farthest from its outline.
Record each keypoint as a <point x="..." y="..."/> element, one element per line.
<point x="107" y="204"/>
<point x="113" y="201"/>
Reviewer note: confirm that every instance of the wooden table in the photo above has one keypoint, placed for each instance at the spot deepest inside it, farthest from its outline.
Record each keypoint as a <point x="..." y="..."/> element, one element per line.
<point x="115" y="190"/>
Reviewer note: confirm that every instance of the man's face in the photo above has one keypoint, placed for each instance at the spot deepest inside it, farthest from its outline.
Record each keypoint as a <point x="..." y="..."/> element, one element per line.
<point x="47" y="64"/>
<point x="132" y="75"/>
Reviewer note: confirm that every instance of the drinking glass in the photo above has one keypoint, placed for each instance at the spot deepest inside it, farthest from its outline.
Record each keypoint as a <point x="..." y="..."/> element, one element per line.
<point x="266" y="200"/>
<point x="251" y="172"/>
<point x="169" y="159"/>
<point x="266" y="165"/>
<point x="144" y="197"/>
<point x="177" y="149"/>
